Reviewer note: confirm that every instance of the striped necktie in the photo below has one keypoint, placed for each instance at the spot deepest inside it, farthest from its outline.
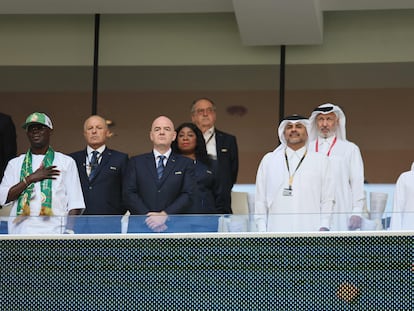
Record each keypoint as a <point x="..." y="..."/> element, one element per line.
<point x="160" y="166"/>
<point x="94" y="164"/>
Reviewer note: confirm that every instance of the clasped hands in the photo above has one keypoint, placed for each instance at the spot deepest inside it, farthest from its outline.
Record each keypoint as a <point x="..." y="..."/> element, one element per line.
<point x="156" y="221"/>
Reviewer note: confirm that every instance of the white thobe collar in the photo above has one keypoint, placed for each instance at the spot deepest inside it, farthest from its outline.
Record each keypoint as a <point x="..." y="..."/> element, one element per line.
<point x="298" y="154"/>
<point x="294" y="157"/>
<point x="324" y="144"/>
<point x="328" y="140"/>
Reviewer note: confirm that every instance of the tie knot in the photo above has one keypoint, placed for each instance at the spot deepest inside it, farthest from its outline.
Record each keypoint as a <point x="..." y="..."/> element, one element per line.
<point x="161" y="159"/>
<point x="160" y="166"/>
<point x="94" y="158"/>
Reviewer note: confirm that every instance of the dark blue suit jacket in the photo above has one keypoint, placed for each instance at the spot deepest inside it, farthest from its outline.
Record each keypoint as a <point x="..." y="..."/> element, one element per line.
<point x="144" y="193"/>
<point x="227" y="165"/>
<point x="207" y="195"/>
<point x="103" y="194"/>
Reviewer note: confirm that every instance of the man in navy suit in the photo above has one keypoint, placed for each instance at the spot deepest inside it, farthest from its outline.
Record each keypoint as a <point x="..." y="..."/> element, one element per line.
<point x="159" y="183"/>
<point x="101" y="179"/>
<point x="221" y="147"/>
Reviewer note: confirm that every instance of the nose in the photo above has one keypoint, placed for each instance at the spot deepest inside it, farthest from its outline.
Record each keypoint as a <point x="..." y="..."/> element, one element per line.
<point x="294" y="128"/>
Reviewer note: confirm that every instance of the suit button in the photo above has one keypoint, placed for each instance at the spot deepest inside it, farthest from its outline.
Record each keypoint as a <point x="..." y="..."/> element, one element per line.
<point x="90" y="187"/>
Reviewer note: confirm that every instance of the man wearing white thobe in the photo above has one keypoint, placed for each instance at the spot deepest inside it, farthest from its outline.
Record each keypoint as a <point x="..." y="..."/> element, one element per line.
<point x="294" y="190"/>
<point x="327" y="135"/>
<point x="403" y="211"/>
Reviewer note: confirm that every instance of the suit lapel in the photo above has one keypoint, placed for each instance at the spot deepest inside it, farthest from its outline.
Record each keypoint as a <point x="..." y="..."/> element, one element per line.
<point x="219" y="143"/>
<point x="169" y="168"/>
<point x="106" y="156"/>
<point x="82" y="163"/>
<point x="151" y="166"/>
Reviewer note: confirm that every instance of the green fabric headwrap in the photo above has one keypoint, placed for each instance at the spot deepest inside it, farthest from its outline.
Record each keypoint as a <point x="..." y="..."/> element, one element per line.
<point x="23" y="206"/>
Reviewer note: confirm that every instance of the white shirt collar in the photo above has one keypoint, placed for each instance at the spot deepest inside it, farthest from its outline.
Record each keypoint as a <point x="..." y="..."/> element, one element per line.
<point x="208" y="133"/>
<point x="167" y="154"/>
<point x="101" y="149"/>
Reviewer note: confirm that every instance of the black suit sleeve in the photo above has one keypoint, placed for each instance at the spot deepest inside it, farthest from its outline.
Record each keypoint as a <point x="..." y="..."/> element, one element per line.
<point x="8" y="145"/>
<point x="234" y="160"/>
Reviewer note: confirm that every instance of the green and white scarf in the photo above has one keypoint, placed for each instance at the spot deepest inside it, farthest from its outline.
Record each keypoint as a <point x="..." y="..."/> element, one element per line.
<point x="23" y="205"/>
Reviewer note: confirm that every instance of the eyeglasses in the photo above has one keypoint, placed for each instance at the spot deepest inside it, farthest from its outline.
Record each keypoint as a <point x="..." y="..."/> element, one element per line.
<point x="204" y="111"/>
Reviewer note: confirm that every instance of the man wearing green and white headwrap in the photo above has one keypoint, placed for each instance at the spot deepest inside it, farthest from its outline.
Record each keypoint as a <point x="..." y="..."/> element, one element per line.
<point x="42" y="184"/>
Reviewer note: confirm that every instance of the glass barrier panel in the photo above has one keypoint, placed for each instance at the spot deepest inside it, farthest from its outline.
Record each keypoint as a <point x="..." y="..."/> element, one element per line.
<point x="135" y="224"/>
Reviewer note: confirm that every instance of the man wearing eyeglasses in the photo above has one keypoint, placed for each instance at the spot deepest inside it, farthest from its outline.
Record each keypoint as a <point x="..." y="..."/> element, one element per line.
<point x="42" y="184"/>
<point x="221" y="147"/>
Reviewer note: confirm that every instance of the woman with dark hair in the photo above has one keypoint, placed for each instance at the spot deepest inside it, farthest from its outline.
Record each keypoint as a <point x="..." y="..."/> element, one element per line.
<point x="190" y="143"/>
<point x="207" y="198"/>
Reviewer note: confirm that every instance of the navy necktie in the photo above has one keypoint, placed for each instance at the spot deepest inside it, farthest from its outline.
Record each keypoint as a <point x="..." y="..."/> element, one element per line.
<point x="94" y="164"/>
<point x="160" y="166"/>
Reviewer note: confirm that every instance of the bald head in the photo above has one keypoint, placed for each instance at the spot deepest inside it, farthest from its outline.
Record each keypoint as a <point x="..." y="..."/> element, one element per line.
<point x="162" y="133"/>
<point x="95" y="131"/>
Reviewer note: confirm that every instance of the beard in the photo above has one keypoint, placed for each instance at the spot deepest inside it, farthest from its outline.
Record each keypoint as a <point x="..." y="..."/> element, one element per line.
<point x="326" y="134"/>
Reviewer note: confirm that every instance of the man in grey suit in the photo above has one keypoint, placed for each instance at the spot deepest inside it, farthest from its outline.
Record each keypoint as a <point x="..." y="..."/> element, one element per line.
<point x="221" y="147"/>
<point x="101" y="179"/>
<point x="159" y="183"/>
